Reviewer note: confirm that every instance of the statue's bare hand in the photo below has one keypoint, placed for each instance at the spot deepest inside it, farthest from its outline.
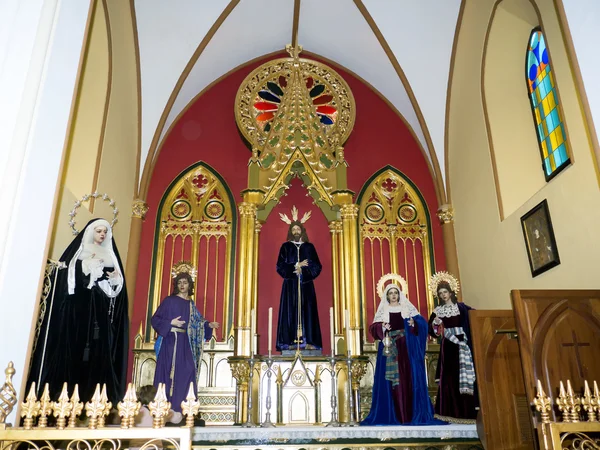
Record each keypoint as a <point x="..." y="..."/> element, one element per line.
<point x="214" y="325"/>
<point x="177" y="322"/>
<point x="303" y="263"/>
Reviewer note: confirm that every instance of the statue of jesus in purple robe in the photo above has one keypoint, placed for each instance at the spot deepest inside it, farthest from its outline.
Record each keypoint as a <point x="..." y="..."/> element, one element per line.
<point x="298" y="262"/>
<point x="179" y="347"/>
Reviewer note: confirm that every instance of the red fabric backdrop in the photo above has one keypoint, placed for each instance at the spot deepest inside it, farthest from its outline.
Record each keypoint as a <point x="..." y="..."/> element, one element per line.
<point x="207" y="131"/>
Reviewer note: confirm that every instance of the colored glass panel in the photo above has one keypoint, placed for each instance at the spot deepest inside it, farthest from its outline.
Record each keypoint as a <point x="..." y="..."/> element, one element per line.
<point x="544" y="104"/>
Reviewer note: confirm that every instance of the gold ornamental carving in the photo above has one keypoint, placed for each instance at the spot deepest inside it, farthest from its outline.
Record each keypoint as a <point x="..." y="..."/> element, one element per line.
<point x="139" y="208"/>
<point x="276" y="77"/>
<point x="240" y="370"/>
<point x="573" y="431"/>
<point x="542" y="403"/>
<point x="129" y="407"/>
<point x="62" y="408"/>
<point x="30" y="408"/>
<point x="349" y="211"/>
<point x="159" y="407"/>
<point x="198" y="210"/>
<point x="295" y="114"/>
<point x="359" y="369"/>
<point x="190" y="407"/>
<point x="247" y="209"/>
<point x="395" y="225"/>
<point x="94" y="409"/>
<point x="446" y="214"/>
<point x="77" y="407"/>
<point x="45" y="407"/>
<point x="8" y="394"/>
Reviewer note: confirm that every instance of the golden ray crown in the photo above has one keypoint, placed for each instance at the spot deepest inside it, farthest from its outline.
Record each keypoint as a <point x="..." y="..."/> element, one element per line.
<point x="286" y="219"/>
<point x="438" y="277"/>
<point x="395" y="277"/>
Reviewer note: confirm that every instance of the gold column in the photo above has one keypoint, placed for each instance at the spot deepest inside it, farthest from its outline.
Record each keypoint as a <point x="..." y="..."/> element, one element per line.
<point x="247" y="270"/>
<point x="446" y="215"/>
<point x="335" y="272"/>
<point x="393" y="249"/>
<point x="139" y="208"/>
<point x="257" y="228"/>
<point x="343" y="298"/>
<point x="349" y="214"/>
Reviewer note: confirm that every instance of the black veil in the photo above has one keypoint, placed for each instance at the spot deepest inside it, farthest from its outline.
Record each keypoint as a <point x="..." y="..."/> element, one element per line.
<point x="84" y="337"/>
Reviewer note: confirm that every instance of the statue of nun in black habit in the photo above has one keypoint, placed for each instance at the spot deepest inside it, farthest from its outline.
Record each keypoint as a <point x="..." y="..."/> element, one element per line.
<point x="84" y="334"/>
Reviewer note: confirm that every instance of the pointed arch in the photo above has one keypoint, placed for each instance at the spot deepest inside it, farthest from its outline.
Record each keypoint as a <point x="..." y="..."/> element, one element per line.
<point x="545" y="106"/>
<point x="395" y="235"/>
<point x="197" y="222"/>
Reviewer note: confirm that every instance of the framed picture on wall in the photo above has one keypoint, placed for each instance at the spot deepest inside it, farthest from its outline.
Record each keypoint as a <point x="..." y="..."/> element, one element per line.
<point x="539" y="239"/>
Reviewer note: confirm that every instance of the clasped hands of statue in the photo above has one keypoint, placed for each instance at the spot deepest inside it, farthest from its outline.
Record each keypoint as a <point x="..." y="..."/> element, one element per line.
<point x="299" y="265"/>
<point x="177" y="322"/>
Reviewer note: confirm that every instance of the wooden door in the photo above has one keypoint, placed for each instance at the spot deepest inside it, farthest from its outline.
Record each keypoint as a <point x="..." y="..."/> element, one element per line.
<point x="559" y="338"/>
<point x="504" y="419"/>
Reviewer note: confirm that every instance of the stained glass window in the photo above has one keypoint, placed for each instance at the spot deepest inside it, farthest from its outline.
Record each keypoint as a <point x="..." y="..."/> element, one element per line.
<point x="544" y="103"/>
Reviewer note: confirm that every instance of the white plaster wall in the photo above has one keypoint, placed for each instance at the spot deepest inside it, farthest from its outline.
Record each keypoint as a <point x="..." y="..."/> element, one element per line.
<point x="583" y="17"/>
<point x="168" y="33"/>
<point x="41" y="53"/>
<point x="421" y="35"/>
<point x="350" y="42"/>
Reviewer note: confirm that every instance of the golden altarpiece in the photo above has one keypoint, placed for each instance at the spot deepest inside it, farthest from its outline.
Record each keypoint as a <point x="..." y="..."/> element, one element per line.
<point x="295" y="114"/>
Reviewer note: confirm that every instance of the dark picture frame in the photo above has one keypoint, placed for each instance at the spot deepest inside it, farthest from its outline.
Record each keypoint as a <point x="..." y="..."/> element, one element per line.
<point x="539" y="239"/>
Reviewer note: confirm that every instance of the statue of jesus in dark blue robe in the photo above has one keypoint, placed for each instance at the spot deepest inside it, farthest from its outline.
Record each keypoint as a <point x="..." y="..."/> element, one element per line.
<point x="298" y="262"/>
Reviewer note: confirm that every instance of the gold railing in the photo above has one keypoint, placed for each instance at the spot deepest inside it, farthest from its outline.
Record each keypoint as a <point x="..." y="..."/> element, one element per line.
<point x="579" y="428"/>
<point x="68" y="423"/>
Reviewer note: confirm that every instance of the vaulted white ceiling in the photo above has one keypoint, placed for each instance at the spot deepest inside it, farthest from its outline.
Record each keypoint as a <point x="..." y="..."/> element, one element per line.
<point x="401" y="47"/>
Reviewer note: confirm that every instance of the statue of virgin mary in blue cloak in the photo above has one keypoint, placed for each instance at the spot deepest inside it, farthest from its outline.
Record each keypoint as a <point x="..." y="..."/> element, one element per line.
<point x="400" y="394"/>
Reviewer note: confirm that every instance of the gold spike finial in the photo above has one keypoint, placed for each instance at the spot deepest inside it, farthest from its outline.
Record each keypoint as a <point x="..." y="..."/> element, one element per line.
<point x="129" y="407"/>
<point x="30" y="408"/>
<point x="159" y="407"/>
<point x="107" y="407"/>
<point x="574" y="403"/>
<point x="77" y="407"/>
<point x="589" y="402"/>
<point x="62" y="408"/>
<point x="190" y="406"/>
<point x="45" y="407"/>
<point x="94" y="408"/>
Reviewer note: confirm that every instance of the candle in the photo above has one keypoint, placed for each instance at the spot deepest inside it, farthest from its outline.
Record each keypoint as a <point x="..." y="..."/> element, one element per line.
<point x="331" y="331"/>
<point x="347" y="317"/>
<point x="252" y="342"/>
<point x="270" y="331"/>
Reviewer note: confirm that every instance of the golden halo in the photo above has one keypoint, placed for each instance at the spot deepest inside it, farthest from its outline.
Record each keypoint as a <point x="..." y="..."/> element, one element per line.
<point x="392" y="276"/>
<point x="184" y="267"/>
<point x="438" y="277"/>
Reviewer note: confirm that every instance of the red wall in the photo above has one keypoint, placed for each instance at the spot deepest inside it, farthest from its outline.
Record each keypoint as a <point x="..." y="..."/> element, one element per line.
<point x="207" y="132"/>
